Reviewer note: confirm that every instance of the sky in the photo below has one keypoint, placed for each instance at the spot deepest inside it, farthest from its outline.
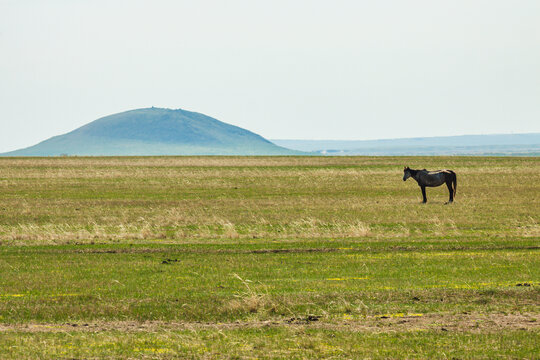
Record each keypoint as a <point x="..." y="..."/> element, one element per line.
<point x="294" y="69"/>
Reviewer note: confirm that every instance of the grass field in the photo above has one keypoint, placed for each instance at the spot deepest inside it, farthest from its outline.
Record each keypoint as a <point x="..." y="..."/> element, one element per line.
<point x="268" y="257"/>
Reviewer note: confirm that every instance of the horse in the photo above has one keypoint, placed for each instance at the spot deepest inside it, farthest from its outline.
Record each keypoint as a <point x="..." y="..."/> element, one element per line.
<point x="432" y="178"/>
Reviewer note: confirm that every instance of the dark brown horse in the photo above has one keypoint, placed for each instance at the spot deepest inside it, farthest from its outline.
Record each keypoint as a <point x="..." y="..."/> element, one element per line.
<point x="426" y="178"/>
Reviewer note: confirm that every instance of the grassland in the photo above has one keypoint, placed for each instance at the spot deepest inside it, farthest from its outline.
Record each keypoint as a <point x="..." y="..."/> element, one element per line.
<point x="268" y="257"/>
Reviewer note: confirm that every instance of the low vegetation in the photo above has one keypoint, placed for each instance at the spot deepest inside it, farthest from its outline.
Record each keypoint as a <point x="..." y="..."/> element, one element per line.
<point x="267" y="257"/>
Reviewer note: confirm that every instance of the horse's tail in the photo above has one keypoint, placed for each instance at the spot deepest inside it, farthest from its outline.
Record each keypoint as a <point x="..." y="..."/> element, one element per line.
<point x="454" y="181"/>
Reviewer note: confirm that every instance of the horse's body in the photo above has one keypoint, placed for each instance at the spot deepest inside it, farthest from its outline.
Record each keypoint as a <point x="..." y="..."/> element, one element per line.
<point x="426" y="178"/>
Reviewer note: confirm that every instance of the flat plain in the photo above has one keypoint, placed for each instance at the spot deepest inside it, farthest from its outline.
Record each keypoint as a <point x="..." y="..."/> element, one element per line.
<point x="268" y="257"/>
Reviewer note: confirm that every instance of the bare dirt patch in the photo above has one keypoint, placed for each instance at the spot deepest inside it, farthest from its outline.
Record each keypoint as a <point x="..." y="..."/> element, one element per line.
<point x="86" y="249"/>
<point x="485" y="323"/>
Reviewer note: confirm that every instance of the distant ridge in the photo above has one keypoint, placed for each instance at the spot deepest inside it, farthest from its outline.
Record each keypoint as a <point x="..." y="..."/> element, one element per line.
<point x="155" y="131"/>
<point x="499" y="144"/>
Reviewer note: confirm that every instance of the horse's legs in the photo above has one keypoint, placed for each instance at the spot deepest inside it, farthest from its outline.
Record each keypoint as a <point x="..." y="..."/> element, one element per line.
<point x="449" y="184"/>
<point x="424" y="194"/>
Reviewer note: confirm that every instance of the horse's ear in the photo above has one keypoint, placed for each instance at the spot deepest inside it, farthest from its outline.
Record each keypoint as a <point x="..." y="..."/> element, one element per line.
<point x="404" y="168"/>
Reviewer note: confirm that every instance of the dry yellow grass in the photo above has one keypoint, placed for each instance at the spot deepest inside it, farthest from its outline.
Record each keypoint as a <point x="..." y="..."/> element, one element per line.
<point x="58" y="200"/>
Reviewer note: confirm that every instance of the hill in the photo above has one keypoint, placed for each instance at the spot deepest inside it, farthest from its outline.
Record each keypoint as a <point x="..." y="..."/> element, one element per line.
<point x="155" y="131"/>
<point x="503" y="144"/>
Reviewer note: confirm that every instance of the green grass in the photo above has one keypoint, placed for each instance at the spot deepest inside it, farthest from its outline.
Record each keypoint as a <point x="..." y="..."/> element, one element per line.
<point x="292" y="257"/>
<point x="283" y="343"/>
<point x="80" y="284"/>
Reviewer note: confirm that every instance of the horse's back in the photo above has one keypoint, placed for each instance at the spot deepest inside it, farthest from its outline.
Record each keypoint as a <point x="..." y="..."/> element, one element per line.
<point x="443" y="171"/>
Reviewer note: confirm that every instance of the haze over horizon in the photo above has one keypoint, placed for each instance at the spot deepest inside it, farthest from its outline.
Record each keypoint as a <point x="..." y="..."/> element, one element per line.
<point x="346" y="70"/>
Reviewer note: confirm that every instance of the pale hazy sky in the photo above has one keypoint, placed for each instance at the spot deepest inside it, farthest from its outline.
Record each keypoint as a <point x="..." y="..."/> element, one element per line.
<point x="302" y="69"/>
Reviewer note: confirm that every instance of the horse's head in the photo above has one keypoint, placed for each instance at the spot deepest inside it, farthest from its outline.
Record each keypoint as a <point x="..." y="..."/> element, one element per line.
<point x="406" y="173"/>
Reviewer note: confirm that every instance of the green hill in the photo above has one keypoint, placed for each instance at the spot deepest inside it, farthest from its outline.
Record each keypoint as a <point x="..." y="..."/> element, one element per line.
<point x="155" y="131"/>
